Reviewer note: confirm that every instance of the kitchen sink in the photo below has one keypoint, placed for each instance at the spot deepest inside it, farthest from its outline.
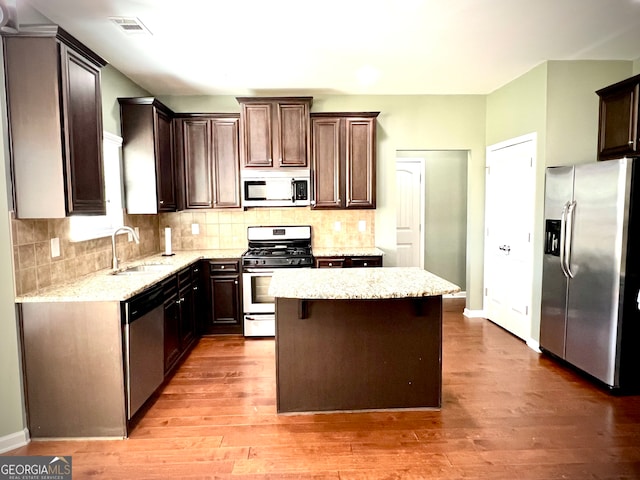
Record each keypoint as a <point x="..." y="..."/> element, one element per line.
<point x="145" y="268"/>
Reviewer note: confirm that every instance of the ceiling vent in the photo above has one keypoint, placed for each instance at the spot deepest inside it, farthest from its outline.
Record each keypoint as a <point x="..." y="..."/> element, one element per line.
<point x="130" y="25"/>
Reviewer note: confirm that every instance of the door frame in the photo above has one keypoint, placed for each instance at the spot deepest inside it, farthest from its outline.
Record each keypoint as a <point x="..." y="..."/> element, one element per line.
<point x="421" y="162"/>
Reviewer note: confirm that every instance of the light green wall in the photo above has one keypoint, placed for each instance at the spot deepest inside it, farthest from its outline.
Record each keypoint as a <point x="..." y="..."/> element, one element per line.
<point x="11" y="404"/>
<point x="572" y="108"/>
<point x="446" y="214"/>
<point x="113" y="85"/>
<point x="12" y="416"/>
<point x="406" y="122"/>
<point x="636" y="67"/>
<point x="556" y="100"/>
<point x="518" y="108"/>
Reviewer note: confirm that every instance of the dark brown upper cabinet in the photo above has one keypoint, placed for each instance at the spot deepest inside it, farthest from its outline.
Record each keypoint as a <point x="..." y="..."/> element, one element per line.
<point x="149" y="170"/>
<point x="619" y="131"/>
<point x="344" y="160"/>
<point x="208" y="159"/>
<point x="55" y="124"/>
<point x="274" y="131"/>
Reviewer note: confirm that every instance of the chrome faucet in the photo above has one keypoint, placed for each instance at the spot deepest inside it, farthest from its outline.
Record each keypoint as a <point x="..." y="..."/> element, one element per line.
<point x="113" y="242"/>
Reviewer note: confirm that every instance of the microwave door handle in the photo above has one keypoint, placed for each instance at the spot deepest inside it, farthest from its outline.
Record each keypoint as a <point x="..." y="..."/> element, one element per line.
<point x="293" y="190"/>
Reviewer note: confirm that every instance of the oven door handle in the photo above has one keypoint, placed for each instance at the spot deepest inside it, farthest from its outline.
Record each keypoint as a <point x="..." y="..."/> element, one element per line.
<point x="258" y="270"/>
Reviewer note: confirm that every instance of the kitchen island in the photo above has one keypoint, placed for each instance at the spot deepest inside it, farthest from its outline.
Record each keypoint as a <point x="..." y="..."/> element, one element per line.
<point x="358" y="339"/>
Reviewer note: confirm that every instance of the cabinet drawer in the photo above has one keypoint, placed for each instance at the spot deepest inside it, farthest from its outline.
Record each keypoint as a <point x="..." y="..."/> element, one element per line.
<point x="336" y="262"/>
<point x="348" y="262"/>
<point x="218" y="267"/>
<point x="196" y="268"/>
<point x="170" y="286"/>
<point x="184" y="276"/>
<point x="374" y="261"/>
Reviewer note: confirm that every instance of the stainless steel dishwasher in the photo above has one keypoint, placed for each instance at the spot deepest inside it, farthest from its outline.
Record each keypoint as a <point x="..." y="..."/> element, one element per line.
<point x="144" y="346"/>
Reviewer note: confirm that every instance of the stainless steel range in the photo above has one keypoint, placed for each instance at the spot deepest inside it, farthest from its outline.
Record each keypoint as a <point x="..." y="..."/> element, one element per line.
<point x="270" y="247"/>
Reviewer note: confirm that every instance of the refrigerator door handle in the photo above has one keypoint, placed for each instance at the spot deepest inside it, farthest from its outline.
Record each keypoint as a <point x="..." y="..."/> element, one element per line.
<point x="569" y="238"/>
<point x="563" y="239"/>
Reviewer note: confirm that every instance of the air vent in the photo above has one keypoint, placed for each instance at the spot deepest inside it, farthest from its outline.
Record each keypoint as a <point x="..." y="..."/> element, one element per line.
<point x="130" y="25"/>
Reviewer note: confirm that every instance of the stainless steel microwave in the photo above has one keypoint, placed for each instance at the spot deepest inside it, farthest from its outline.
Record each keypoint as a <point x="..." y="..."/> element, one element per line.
<point x="276" y="189"/>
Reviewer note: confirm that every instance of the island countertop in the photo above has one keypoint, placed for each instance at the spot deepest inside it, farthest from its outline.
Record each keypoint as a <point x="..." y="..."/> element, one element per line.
<point x="358" y="283"/>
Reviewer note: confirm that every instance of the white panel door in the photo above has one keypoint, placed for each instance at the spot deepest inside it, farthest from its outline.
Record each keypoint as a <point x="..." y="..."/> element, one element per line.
<point x="409" y="212"/>
<point x="509" y="210"/>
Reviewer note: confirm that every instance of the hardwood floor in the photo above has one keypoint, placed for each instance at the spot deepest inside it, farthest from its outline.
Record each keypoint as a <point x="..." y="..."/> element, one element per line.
<point x="508" y="413"/>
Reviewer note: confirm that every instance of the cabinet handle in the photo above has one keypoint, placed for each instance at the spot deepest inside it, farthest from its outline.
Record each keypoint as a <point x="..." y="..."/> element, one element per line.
<point x="631" y="142"/>
<point x="161" y="202"/>
<point x="195" y="288"/>
<point x="330" y="264"/>
<point x="366" y="264"/>
<point x="236" y="282"/>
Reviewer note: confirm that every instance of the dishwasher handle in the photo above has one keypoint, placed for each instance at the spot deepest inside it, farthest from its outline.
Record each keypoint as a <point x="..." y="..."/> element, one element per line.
<point x="143" y="303"/>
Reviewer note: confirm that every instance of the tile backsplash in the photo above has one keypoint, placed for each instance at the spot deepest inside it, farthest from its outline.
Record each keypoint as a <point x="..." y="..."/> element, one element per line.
<point x="35" y="269"/>
<point x="228" y="228"/>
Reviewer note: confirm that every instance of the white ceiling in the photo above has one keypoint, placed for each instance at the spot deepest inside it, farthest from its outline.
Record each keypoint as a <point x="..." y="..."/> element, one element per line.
<point x="262" y="47"/>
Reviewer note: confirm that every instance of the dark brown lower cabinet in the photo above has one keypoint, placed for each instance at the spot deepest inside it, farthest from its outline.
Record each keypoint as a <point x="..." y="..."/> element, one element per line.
<point x="182" y="306"/>
<point x="225" y="294"/>
<point x="171" y="323"/>
<point x="348" y="261"/>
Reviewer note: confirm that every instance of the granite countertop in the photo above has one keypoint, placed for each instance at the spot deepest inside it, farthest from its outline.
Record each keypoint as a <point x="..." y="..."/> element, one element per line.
<point x="102" y="286"/>
<point x="346" y="252"/>
<point x="358" y="283"/>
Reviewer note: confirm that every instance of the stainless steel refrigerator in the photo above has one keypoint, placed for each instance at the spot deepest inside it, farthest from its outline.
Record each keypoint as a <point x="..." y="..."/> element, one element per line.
<point x="590" y="282"/>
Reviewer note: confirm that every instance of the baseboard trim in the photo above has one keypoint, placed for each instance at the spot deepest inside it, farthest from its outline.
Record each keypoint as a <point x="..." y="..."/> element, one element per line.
<point x="474" y="313"/>
<point x="534" y="345"/>
<point x="14" y="440"/>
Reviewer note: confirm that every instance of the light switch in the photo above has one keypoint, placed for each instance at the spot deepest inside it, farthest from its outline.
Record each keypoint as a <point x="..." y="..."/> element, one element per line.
<point x="337" y="226"/>
<point x="362" y="226"/>
<point x="55" y="247"/>
<point x="195" y="229"/>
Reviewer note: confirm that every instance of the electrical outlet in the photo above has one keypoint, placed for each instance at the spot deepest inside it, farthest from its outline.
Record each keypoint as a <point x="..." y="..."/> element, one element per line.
<point x="55" y="247"/>
<point x="362" y="226"/>
<point x="195" y="229"/>
<point x="337" y="226"/>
